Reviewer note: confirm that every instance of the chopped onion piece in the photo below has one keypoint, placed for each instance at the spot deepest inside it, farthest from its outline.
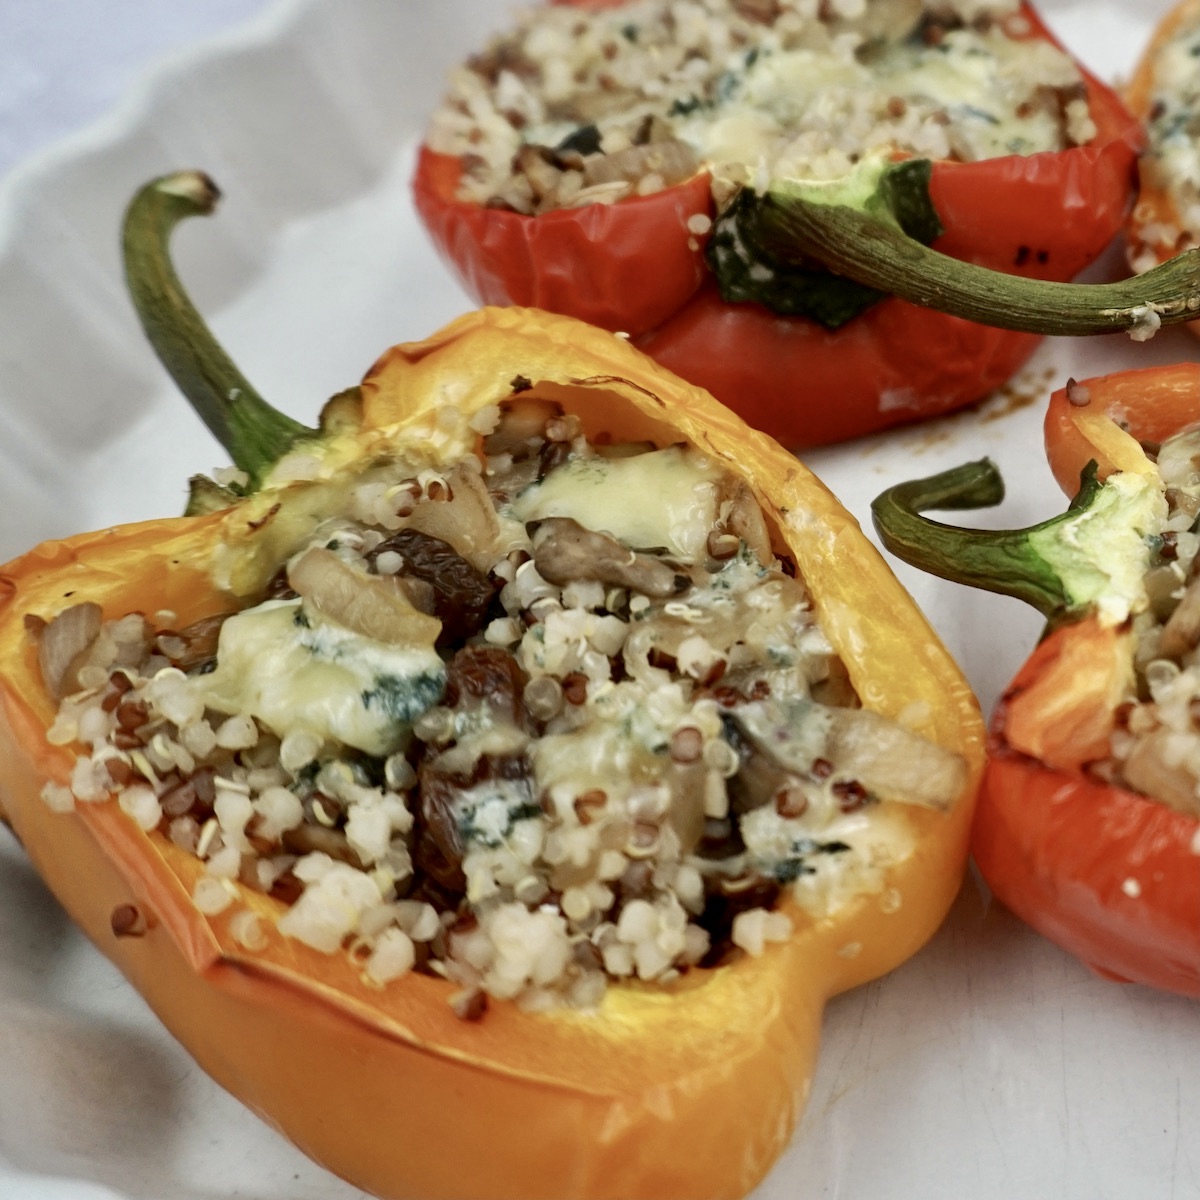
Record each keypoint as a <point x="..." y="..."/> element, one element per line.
<point x="893" y="761"/>
<point x="366" y="604"/>
<point x="64" y="640"/>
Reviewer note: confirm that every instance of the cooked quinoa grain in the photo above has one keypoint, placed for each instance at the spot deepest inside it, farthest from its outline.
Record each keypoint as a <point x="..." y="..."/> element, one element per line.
<point x="1156" y="749"/>
<point x="579" y="107"/>
<point x="511" y="723"/>
<point x="1171" y="162"/>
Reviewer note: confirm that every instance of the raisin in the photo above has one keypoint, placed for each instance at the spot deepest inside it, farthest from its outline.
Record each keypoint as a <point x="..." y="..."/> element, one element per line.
<point x="489" y="674"/>
<point x="438" y="846"/>
<point x="726" y="898"/>
<point x="462" y="596"/>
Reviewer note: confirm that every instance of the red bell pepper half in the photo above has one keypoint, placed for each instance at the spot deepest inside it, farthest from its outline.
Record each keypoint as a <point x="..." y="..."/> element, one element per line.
<point x="635" y="267"/>
<point x="1109" y="874"/>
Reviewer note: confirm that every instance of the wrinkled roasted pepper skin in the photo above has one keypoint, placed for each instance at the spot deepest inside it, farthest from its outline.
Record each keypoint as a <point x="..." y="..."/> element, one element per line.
<point x="1058" y="847"/>
<point x="686" y="1091"/>
<point x="635" y="267"/>
<point x="1155" y="207"/>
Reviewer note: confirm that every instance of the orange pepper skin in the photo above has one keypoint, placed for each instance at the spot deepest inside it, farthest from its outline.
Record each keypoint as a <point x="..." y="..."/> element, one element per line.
<point x="688" y="1090"/>
<point x="635" y="267"/>
<point x="1109" y="875"/>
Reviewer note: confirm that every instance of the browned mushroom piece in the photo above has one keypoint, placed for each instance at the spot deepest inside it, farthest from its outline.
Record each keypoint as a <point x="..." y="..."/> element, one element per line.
<point x="565" y="552"/>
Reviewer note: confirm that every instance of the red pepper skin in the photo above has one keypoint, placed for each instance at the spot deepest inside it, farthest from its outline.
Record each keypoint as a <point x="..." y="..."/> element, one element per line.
<point x="1152" y="403"/>
<point x="636" y="268"/>
<point x="1109" y="875"/>
<point x="1106" y="874"/>
<point x="625" y="267"/>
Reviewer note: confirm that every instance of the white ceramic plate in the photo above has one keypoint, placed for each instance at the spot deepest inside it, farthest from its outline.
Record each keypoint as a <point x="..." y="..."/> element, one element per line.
<point x="990" y="1066"/>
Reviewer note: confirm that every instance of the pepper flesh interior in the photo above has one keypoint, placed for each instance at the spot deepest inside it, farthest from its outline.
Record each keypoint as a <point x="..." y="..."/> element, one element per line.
<point x="594" y="733"/>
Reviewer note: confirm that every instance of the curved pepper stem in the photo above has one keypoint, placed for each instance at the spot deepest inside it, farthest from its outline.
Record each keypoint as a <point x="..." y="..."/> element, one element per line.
<point x="860" y="228"/>
<point x="1008" y="561"/>
<point x="255" y="434"/>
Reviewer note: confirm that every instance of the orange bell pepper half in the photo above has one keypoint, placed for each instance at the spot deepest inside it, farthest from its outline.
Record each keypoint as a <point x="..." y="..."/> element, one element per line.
<point x="685" y="1090"/>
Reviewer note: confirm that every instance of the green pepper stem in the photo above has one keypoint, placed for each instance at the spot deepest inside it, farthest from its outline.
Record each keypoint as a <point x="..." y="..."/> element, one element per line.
<point x="255" y="434"/>
<point x="1001" y="561"/>
<point x="874" y="253"/>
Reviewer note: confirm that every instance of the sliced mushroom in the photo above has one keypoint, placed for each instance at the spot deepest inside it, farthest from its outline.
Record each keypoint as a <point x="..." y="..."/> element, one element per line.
<point x="760" y="776"/>
<point x="199" y="642"/>
<point x="876" y="752"/>
<point x="539" y="165"/>
<point x="64" y="643"/>
<point x="565" y="552"/>
<point x="744" y="519"/>
<point x="319" y="839"/>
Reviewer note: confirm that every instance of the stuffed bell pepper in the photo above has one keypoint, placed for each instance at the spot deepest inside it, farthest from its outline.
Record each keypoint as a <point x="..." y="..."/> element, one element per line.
<point x="640" y="166"/>
<point x="1088" y="825"/>
<point x="1164" y="93"/>
<point x="491" y="785"/>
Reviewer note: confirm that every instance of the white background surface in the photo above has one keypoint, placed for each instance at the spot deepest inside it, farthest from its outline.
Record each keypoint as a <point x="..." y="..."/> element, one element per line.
<point x="990" y="1066"/>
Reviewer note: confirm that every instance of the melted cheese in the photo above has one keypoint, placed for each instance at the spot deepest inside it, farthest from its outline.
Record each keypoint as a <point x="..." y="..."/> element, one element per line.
<point x="665" y="498"/>
<point x="298" y="672"/>
<point x="978" y="80"/>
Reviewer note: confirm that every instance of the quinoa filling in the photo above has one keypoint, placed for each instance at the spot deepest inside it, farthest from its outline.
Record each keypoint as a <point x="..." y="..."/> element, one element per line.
<point x="578" y="106"/>
<point x="551" y="717"/>
<point x="1156" y="747"/>
<point x="1171" y="162"/>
